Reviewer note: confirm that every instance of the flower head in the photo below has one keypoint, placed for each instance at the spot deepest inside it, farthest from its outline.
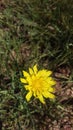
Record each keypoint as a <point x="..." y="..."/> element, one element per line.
<point x="38" y="83"/>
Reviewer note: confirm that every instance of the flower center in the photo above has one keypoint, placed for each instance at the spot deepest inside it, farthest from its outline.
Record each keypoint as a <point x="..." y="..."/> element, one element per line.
<point x="37" y="84"/>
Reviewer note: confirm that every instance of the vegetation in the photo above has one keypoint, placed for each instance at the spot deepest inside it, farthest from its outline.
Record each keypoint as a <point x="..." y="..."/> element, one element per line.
<point x="36" y="32"/>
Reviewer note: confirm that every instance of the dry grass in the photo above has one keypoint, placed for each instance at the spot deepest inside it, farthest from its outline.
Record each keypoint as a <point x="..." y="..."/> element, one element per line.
<point x="36" y="32"/>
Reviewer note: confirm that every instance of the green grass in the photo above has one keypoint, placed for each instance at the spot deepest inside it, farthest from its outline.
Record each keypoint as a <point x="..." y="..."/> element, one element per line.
<point x="33" y="32"/>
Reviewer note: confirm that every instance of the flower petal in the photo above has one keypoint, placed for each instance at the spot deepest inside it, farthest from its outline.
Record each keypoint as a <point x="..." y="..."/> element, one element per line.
<point x="23" y="80"/>
<point x="35" y="68"/>
<point x="31" y="71"/>
<point x="41" y="98"/>
<point x="28" y="96"/>
<point x="50" y="81"/>
<point x="51" y="89"/>
<point x="26" y="74"/>
<point x="44" y="73"/>
<point x="48" y="95"/>
<point x="29" y="80"/>
<point x="52" y="96"/>
<point x="27" y="87"/>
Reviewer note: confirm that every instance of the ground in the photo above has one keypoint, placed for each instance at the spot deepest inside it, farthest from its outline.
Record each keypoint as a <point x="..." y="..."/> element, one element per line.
<point x="36" y="32"/>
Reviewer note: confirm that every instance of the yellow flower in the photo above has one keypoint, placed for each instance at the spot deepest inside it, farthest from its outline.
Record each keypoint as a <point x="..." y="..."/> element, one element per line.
<point x="38" y="83"/>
